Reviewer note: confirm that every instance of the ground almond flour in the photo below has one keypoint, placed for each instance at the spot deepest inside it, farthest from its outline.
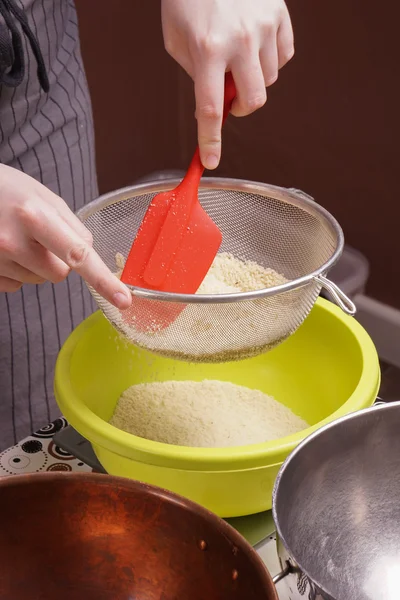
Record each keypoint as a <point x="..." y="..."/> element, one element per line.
<point x="216" y="332"/>
<point x="227" y="271"/>
<point x="206" y="414"/>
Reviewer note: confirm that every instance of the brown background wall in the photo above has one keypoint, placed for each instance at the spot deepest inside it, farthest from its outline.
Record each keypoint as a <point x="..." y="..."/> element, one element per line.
<point x="331" y="125"/>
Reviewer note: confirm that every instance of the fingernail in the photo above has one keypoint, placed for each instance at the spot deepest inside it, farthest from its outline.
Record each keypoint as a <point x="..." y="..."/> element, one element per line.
<point x="121" y="300"/>
<point x="212" y="161"/>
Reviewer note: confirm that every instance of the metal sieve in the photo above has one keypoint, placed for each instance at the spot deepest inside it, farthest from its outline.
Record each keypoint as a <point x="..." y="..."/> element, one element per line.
<point x="278" y="228"/>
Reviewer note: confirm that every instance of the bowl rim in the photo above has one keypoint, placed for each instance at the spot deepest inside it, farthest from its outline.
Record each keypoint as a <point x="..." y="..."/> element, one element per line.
<point x="108" y="437"/>
<point x="145" y="489"/>
<point x="308" y="441"/>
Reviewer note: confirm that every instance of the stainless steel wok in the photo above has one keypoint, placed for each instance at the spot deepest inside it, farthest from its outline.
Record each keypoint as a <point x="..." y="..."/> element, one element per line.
<point x="337" y="510"/>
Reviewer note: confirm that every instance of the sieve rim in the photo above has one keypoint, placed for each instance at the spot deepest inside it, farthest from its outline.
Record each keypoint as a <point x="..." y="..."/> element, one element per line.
<point x="291" y="196"/>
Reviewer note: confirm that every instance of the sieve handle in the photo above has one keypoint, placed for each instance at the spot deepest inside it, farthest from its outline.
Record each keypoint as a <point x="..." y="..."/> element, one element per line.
<point x="301" y="193"/>
<point x="337" y="295"/>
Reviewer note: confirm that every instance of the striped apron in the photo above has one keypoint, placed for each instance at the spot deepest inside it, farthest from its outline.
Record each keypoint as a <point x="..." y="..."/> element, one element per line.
<point x="50" y="137"/>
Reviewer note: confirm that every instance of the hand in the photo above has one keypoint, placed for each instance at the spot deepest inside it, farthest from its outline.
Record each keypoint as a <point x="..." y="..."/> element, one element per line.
<point x="42" y="240"/>
<point x="251" y="38"/>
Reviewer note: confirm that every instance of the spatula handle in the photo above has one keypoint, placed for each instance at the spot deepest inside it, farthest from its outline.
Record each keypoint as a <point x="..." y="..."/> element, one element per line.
<point x="186" y="196"/>
<point x="230" y="95"/>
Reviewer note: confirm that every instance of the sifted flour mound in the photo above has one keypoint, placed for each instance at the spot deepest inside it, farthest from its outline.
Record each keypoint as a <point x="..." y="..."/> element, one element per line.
<point x="228" y="274"/>
<point x="207" y="414"/>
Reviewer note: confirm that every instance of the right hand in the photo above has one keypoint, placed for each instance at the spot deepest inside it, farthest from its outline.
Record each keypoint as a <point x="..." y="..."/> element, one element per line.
<point x="42" y="240"/>
<point x="252" y="39"/>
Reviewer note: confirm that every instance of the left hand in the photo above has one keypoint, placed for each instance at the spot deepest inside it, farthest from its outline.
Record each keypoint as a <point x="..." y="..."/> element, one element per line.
<point x="251" y="38"/>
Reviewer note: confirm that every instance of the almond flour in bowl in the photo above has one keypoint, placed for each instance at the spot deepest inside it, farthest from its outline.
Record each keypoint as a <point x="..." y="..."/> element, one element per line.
<point x="203" y="414"/>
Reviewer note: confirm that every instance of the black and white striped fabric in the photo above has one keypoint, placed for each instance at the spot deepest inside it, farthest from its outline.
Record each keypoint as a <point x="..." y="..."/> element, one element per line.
<point x="50" y="137"/>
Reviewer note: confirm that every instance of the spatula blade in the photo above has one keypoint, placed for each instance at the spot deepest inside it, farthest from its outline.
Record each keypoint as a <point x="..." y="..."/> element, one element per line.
<point x="184" y="276"/>
<point x="146" y="238"/>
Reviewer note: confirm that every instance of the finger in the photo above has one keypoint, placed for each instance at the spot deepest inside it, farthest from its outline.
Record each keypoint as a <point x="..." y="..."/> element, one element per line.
<point x="13" y="270"/>
<point x="250" y="86"/>
<point x="269" y="60"/>
<point x="68" y="216"/>
<point x="60" y="239"/>
<point x="9" y="285"/>
<point x="209" y="91"/>
<point x="37" y="259"/>
<point x="73" y="221"/>
<point x="285" y="41"/>
<point x="29" y="254"/>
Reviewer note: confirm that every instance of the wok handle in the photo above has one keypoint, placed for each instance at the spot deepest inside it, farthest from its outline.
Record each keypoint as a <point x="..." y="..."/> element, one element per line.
<point x="282" y="574"/>
<point x="337" y="295"/>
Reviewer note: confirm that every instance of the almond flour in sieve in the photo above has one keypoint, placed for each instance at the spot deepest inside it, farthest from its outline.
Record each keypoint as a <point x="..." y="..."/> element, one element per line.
<point x="199" y="330"/>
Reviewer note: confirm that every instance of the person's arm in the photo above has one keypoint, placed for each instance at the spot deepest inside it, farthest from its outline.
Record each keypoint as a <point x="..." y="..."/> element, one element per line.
<point x="42" y="240"/>
<point x="251" y="38"/>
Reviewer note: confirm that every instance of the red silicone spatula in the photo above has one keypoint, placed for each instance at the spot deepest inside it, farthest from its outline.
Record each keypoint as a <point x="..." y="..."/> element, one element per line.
<point x="177" y="240"/>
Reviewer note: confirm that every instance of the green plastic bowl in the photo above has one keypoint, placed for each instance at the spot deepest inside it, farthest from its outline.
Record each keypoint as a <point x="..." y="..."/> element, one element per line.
<point x="327" y="369"/>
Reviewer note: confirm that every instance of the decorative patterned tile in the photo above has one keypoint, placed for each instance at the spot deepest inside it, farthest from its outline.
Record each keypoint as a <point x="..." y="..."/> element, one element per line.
<point x="38" y="453"/>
